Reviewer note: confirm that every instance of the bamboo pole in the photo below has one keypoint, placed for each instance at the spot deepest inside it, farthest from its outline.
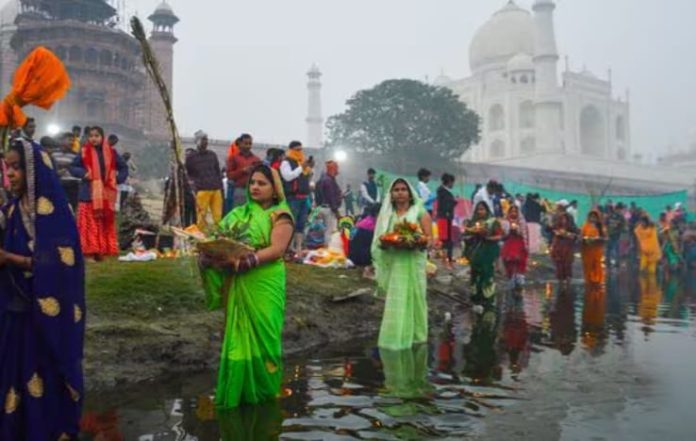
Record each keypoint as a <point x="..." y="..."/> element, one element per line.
<point x="174" y="195"/>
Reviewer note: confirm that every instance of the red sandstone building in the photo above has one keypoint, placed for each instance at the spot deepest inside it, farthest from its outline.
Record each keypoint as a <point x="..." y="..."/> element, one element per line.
<point x="109" y="84"/>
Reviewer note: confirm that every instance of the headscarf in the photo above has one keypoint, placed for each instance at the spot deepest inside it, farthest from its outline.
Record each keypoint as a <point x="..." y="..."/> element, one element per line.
<point x="385" y="224"/>
<point x="589" y="229"/>
<point x="58" y="284"/>
<point x="280" y="205"/>
<point x="521" y="222"/>
<point x="485" y="218"/>
<point x="198" y="137"/>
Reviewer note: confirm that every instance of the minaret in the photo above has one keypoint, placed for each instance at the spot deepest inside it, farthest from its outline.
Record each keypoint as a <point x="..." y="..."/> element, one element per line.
<point x="162" y="40"/>
<point x="315" y="121"/>
<point x="548" y="105"/>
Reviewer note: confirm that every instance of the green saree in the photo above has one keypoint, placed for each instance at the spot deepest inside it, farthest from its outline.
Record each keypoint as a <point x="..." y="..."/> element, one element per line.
<point x="671" y="248"/>
<point x="250" y="363"/>
<point x="401" y="275"/>
<point x="482" y="254"/>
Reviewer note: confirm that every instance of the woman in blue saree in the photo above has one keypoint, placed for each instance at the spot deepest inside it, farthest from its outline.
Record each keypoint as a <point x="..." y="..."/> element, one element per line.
<point x="42" y="304"/>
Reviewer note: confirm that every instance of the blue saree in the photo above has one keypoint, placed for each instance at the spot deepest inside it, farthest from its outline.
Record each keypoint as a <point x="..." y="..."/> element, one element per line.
<point x="42" y="311"/>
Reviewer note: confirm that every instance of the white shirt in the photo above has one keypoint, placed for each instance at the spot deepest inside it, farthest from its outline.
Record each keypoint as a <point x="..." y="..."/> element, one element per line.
<point x="366" y="195"/>
<point x="288" y="173"/>
<point x="573" y="212"/>
<point x="424" y="192"/>
<point x="483" y="196"/>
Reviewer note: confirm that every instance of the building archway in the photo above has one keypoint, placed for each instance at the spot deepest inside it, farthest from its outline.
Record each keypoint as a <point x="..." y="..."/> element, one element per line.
<point x="497" y="149"/>
<point x="592" y="139"/>
<point x="496" y="118"/>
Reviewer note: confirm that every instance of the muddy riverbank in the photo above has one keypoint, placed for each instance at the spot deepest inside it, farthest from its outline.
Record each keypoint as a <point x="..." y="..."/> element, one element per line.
<point x="148" y="320"/>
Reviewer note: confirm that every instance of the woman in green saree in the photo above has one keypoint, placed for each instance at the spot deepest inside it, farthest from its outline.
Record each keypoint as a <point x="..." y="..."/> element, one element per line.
<point x="483" y="234"/>
<point x="401" y="273"/>
<point x="253" y="294"/>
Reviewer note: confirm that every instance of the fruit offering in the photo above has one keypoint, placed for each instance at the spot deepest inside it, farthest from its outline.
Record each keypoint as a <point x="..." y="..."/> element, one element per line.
<point x="405" y="236"/>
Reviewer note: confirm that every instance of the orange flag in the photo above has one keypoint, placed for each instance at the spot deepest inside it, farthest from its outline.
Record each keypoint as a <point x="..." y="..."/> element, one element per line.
<point x="40" y="80"/>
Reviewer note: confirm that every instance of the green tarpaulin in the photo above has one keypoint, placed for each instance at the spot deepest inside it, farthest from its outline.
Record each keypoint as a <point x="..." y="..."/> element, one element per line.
<point x="653" y="204"/>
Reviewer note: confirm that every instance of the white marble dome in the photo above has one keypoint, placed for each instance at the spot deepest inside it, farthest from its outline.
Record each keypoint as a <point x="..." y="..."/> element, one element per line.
<point x="509" y="32"/>
<point x="520" y="63"/>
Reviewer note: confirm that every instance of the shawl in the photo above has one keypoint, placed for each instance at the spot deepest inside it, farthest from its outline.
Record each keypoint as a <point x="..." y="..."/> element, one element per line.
<point x="58" y="283"/>
<point x="104" y="189"/>
<point x="647" y="238"/>
<point x="521" y="222"/>
<point x="385" y="224"/>
<point x="232" y="151"/>
<point x="298" y="156"/>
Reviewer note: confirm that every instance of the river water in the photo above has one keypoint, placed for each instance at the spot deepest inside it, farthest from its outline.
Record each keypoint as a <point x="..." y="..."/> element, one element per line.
<point x="611" y="363"/>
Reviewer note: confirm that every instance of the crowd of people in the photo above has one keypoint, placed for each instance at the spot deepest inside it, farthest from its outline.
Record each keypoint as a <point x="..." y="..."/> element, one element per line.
<point x="278" y="206"/>
<point x="314" y="196"/>
<point x="94" y="178"/>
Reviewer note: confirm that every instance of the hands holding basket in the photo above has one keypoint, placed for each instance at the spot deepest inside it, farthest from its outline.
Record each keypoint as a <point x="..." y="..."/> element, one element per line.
<point x="405" y="236"/>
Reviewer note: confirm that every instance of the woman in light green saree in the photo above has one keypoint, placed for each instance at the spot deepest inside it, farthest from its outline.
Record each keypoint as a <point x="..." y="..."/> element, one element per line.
<point x="253" y="295"/>
<point x="401" y="273"/>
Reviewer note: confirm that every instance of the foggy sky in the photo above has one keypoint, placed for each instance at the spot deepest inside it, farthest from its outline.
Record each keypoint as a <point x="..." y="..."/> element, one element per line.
<point x="241" y="65"/>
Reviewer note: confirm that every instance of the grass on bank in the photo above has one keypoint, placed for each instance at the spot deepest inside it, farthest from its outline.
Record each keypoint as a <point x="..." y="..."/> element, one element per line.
<point x="143" y="290"/>
<point x="172" y="287"/>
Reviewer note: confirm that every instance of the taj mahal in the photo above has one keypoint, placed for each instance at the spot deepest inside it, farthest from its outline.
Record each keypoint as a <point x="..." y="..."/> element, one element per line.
<point x="525" y="110"/>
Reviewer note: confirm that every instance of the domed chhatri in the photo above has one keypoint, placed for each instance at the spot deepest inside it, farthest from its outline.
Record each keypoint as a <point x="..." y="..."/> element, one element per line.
<point x="164" y="14"/>
<point x="164" y="8"/>
<point x="509" y="32"/>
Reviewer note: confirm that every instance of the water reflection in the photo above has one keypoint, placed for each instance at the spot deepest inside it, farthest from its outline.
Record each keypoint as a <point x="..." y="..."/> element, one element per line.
<point x="405" y="372"/>
<point x="516" y="340"/>
<point x="564" y="334"/>
<point x="476" y="367"/>
<point x="650" y="297"/>
<point x="482" y="363"/>
<point x="594" y="335"/>
<point x="102" y="426"/>
<point x="251" y="423"/>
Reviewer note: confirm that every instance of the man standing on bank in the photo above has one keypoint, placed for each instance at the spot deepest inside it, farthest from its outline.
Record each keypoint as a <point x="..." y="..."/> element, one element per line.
<point x="204" y="172"/>
<point x="239" y="168"/>
<point x="296" y="172"/>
